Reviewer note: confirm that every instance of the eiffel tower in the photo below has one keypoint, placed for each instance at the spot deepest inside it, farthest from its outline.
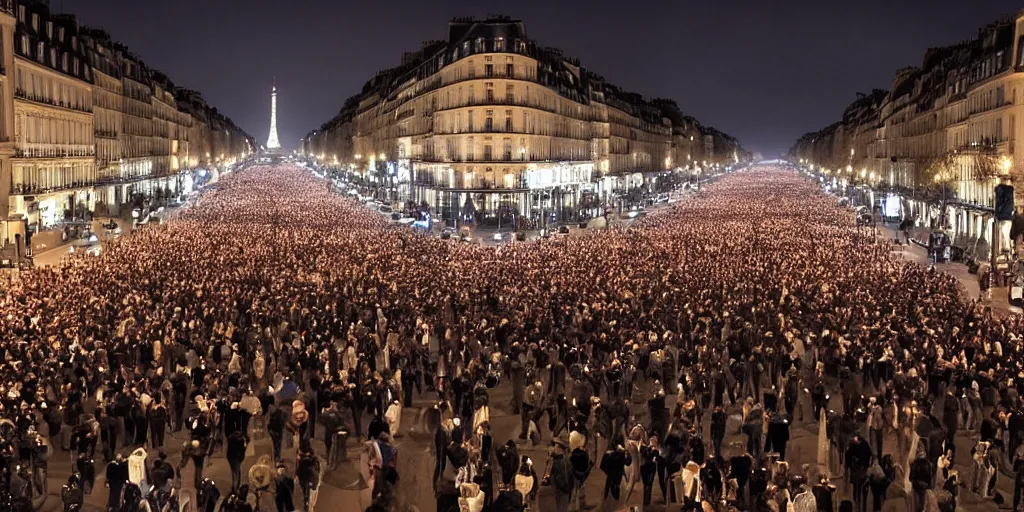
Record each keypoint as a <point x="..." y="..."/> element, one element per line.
<point x="273" y="145"/>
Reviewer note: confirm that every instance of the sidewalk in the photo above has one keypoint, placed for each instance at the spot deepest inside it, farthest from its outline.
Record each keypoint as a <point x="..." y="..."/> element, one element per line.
<point x="1000" y="296"/>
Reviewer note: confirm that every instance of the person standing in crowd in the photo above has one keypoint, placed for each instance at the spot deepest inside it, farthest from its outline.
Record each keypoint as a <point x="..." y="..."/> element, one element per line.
<point x="237" y="444"/>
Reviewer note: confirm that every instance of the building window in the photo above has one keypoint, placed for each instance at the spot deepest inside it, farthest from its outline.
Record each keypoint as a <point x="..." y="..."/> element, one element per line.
<point x="510" y="96"/>
<point x="479" y="45"/>
<point x="499" y="45"/>
<point x="472" y="69"/>
<point x="488" y="152"/>
<point x="490" y="92"/>
<point x="507" y="149"/>
<point x="472" y="95"/>
<point x="489" y="122"/>
<point x="469" y="121"/>
<point x="470" y="149"/>
<point x="508" y="120"/>
<point x="488" y="70"/>
<point x="510" y="70"/>
<point x="522" y="149"/>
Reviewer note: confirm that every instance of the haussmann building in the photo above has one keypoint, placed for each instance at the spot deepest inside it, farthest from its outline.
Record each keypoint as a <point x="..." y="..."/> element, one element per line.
<point x="488" y="123"/>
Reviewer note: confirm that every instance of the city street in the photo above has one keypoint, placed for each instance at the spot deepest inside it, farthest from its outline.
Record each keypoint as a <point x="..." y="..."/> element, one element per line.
<point x="342" y="489"/>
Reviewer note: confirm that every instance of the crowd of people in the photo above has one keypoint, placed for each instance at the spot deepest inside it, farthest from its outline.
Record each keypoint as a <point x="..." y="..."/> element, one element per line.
<point x="276" y="306"/>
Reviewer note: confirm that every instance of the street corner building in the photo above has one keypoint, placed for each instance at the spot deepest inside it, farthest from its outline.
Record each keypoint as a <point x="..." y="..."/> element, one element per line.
<point x="489" y="122"/>
<point x="86" y="128"/>
<point x="932" y="151"/>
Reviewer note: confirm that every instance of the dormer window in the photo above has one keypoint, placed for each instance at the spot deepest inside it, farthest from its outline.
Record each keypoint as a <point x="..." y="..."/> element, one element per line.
<point x="499" y="44"/>
<point x="60" y="34"/>
<point x="479" y="45"/>
<point x="49" y="30"/>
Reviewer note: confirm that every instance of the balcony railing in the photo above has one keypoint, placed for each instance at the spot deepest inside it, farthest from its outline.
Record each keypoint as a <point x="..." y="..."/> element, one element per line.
<point x="47" y="150"/>
<point x="107" y="134"/>
<point x="29" y="189"/>
<point x="506" y="101"/>
<point x="38" y="98"/>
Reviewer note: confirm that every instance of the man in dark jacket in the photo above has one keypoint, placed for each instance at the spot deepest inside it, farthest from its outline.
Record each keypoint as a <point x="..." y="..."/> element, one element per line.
<point x="581" y="466"/>
<point x="237" y="444"/>
<point x="778" y="435"/>
<point x="649" y="457"/>
<point x="613" y="464"/>
<point x="162" y="473"/>
<point x="284" y="488"/>
<point x="275" y="427"/>
<point x="718" y="420"/>
<point x="157" y="418"/>
<point x="858" y="459"/>
<point x="333" y="423"/>
<point x="308" y="471"/>
<point x="117" y="476"/>
<point x="562" y="479"/>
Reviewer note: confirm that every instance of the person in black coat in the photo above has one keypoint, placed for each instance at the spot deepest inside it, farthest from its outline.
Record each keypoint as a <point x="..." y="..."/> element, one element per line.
<point x="157" y="419"/>
<point x="858" y="459"/>
<point x="581" y="466"/>
<point x="613" y="464"/>
<point x="739" y="468"/>
<point x="237" y="444"/>
<point x="508" y="461"/>
<point x="718" y="421"/>
<point x="275" y="427"/>
<point x="284" y="490"/>
<point x="778" y="435"/>
<point x="649" y="457"/>
<point x="117" y="476"/>
<point x="308" y="471"/>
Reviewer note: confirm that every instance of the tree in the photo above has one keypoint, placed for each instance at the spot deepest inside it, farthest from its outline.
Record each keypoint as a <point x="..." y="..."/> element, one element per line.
<point x="935" y="176"/>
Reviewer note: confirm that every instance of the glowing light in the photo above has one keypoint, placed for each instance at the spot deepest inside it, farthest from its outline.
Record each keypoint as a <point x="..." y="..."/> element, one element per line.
<point x="272" y="142"/>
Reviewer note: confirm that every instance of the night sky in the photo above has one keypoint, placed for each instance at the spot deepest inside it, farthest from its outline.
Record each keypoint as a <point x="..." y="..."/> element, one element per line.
<point x="765" y="71"/>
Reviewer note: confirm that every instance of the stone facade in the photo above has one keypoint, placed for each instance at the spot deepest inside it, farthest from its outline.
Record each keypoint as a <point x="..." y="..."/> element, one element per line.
<point x="491" y="118"/>
<point x="87" y="127"/>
